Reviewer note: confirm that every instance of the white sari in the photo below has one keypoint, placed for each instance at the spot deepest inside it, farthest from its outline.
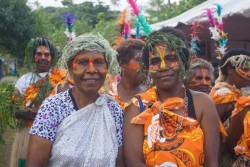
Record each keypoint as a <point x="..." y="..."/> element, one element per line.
<point x="86" y="138"/>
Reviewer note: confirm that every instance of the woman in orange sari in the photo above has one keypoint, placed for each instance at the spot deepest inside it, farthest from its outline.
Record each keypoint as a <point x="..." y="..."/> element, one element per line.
<point x="124" y="87"/>
<point x="180" y="127"/>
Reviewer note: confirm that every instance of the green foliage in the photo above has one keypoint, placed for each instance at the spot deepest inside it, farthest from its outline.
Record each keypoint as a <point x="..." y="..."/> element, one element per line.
<point x="107" y="29"/>
<point x="49" y="22"/>
<point x="19" y="24"/>
<point x="16" y="26"/>
<point x="160" y="10"/>
<point x="6" y="80"/>
<point x="7" y="108"/>
<point x="67" y="2"/>
<point x="42" y="23"/>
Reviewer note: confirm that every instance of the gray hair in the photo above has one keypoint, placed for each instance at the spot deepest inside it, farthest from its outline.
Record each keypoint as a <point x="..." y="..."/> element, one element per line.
<point x="90" y="42"/>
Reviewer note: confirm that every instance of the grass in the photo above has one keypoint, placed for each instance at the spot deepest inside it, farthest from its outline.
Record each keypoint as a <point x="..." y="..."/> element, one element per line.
<point x="5" y="149"/>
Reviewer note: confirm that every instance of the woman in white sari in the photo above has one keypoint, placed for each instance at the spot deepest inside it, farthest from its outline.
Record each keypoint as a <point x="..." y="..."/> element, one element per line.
<point x="80" y="127"/>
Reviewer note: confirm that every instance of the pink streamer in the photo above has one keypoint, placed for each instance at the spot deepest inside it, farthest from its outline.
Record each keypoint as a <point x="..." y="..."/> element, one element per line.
<point x="134" y="7"/>
<point x="211" y="18"/>
<point x="220" y="26"/>
<point x="126" y="30"/>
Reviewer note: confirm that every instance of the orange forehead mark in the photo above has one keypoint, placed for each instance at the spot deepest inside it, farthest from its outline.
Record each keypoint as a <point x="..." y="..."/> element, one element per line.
<point x="244" y="71"/>
<point x="43" y="50"/>
<point x="203" y="81"/>
<point x="133" y="65"/>
<point x="203" y="73"/>
<point x="161" y="51"/>
<point x="90" y="59"/>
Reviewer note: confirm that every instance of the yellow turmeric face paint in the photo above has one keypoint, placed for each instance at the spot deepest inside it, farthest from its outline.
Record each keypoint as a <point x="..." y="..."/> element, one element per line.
<point x="162" y="58"/>
<point x="201" y="78"/>
<point x="42" y="52"/>
<point x="89" y="61"/>
<point x="244" y="70"/>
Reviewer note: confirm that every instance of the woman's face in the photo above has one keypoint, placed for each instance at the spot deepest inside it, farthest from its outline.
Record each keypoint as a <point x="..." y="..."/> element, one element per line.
<point x="164" y="67"/>
<point x="42" y="59"/>
<point x="88" y="71"/>
<point x="241" y="75"/>
<point x="201" y="80"/>
<point x="244" y="70"/>
<point x="131" y="69"/>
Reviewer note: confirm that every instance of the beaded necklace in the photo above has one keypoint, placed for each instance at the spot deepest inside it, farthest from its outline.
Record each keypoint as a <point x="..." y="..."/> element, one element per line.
<point x="185" y="113"/>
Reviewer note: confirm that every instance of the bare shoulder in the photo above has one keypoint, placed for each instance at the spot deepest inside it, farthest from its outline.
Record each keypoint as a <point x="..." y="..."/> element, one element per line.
<point x="203" y="104"/>
<point x="201" y="97"/>
<point x="132" y="111"/>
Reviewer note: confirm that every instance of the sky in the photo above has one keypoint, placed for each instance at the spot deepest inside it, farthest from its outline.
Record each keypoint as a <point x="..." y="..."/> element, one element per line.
<point x="57" y="3"/>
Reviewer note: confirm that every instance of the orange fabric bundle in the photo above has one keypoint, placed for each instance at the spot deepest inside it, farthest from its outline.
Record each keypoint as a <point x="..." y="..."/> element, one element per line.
<point x="56" y="76"/>
<point x="241" y="103"/>
<point x="222" y="93"/>
<point x="148" y="98"/>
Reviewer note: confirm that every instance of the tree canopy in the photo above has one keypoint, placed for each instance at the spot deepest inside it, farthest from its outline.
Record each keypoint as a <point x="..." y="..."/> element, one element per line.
<point x="16" y="26"/>
<point x="160" y="10"/>
<point x="20" y="23"/>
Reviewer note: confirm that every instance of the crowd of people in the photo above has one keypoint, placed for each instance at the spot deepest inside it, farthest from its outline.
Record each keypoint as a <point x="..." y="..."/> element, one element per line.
<point x="148" y="102"/>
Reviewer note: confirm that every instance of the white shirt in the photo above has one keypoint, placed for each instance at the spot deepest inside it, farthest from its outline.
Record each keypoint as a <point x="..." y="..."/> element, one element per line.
<point x="27" y="79"/>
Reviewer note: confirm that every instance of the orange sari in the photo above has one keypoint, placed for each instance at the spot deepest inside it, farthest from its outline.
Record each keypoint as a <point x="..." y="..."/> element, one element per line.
<point x="170" y="139"/>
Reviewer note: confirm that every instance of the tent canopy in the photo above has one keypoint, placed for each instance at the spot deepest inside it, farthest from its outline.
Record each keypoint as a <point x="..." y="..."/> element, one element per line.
<point x="229" y="8"/>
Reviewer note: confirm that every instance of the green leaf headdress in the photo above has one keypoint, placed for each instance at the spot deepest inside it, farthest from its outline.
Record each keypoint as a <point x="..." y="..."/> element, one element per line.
<point x="172" y="42"/>
<point x="90" y="42"/>
<point x="30" y="51"/>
